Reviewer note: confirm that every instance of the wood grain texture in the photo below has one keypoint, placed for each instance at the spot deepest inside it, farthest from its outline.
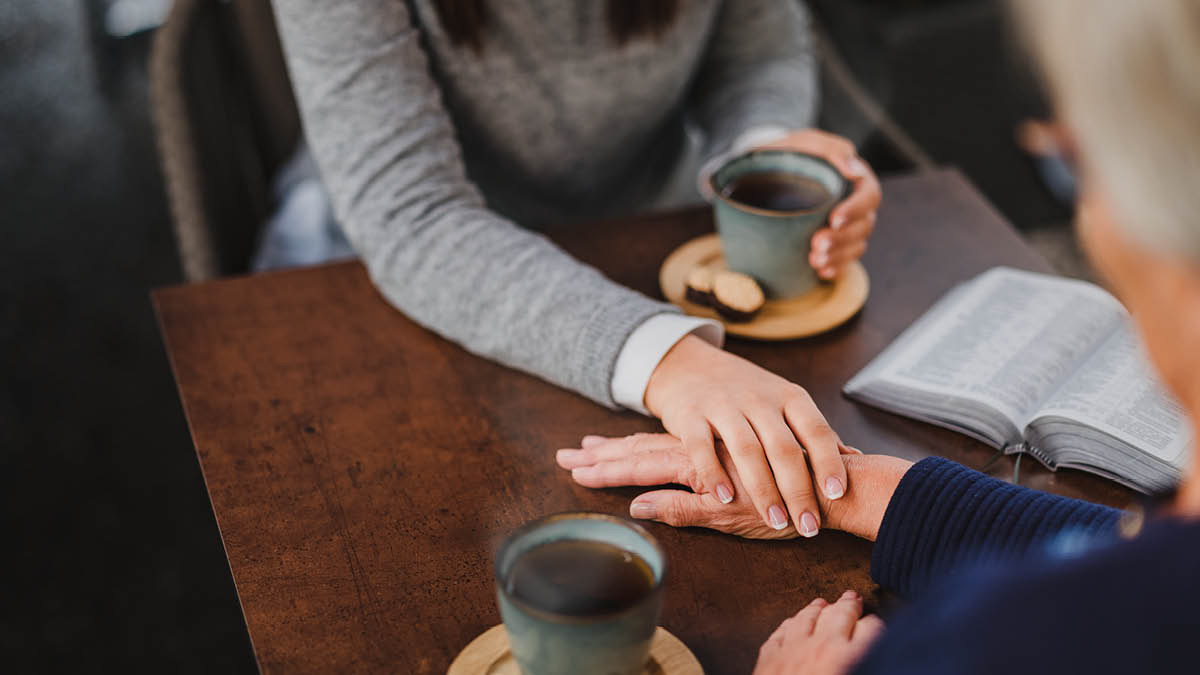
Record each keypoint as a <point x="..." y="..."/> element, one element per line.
<point x="363" y="470"/>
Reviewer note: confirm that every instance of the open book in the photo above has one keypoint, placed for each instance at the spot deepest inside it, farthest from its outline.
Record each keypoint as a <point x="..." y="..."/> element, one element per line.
<point x="1038" y="364"/>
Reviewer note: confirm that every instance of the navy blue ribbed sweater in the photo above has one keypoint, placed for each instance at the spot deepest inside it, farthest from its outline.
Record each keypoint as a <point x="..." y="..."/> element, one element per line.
<point x="1004" y="579"/>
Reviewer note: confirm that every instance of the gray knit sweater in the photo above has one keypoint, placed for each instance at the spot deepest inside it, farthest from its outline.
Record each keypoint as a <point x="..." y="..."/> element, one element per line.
<point x="442" y="163"/>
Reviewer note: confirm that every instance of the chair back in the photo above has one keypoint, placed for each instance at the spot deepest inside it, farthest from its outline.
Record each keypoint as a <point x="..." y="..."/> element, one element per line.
<point x="225" y="119"/>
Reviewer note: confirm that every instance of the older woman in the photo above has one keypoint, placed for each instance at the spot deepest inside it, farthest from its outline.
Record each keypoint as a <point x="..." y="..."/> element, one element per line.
<point x="1003" y="578"/>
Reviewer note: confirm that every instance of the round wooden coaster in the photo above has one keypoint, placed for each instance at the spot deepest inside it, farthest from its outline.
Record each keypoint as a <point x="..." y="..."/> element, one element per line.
<point x="488" y="654"/>
<point x="824" y="308"/>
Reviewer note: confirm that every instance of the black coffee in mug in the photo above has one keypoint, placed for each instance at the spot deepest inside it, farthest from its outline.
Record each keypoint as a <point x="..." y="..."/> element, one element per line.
<point x="580" y="578"/>
<point x="777" y="191"/>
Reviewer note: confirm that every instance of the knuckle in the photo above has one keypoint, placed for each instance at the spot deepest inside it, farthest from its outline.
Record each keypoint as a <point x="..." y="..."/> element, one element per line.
<point x="673" y="513"/>
<point x="683" y="417"/>
<point x="640" y="465"/>
<point x="698" y="446"/>
<point x="699" y="452"/>
<point x="817" y="426"/>
<point x="752" y="401"/>
<point x="787" y="448"/>
<point x="708" y="475"/>
<point x="800" y="396"/>
<point x="763" y="494"/>
<point x="803" y="494"/>
<point x="744" y="449"/>
<point x="742" y="444"/>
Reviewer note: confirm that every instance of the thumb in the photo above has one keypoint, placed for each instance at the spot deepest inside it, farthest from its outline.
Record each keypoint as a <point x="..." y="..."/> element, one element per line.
<point x="677" y="508"/>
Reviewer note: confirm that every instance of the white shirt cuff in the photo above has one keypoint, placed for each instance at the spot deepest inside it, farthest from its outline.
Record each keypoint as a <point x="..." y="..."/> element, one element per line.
<point x="645" y="348"/>
<point x="746" y="141"/>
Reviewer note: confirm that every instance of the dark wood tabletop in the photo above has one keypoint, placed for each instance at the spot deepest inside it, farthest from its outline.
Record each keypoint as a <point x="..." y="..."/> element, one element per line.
<point x="363" y="470"/>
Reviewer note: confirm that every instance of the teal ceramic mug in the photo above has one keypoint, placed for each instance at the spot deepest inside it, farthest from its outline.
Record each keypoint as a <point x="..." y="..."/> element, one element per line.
<point x="773" y="246"/>
<point x="546" y="643"/>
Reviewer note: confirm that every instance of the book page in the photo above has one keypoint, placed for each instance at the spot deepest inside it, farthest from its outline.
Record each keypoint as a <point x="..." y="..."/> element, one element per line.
<point x="1009" y="340"/>
<point x="1117" y="392"/>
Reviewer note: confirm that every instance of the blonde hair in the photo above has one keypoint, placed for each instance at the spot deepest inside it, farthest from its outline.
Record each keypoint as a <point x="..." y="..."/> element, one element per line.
<point x="1125" y="75"/>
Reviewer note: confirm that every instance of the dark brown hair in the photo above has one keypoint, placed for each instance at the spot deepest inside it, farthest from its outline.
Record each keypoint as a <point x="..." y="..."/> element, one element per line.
<point x="465" y="20"/>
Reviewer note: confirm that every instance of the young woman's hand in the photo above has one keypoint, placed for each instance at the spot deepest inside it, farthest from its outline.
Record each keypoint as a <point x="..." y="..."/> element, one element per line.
<point x="851" y="221"/>
<point x="822" y="639"/>
<point x="768" y="424"/>
<point x="659" y="459"/>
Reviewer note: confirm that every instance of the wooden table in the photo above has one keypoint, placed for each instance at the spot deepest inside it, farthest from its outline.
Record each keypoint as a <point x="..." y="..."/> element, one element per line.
<point x="363" y="470"/>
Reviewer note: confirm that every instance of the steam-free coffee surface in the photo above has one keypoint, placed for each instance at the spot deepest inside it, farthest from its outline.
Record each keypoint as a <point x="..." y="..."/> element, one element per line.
<point x="777" y="191"/>
<point x="579" y="578"/>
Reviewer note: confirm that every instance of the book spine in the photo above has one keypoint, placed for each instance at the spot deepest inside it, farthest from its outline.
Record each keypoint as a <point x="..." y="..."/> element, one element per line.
<point x="1034" y="451"/>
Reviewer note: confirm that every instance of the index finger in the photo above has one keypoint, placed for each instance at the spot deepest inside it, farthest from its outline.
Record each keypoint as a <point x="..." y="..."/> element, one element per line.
<point x="653" y="468"/>
<point x="840" y="618"/>
<point x="607" y="449"/>
<point x="707" y="475"/>
<point x="863" y="199"/>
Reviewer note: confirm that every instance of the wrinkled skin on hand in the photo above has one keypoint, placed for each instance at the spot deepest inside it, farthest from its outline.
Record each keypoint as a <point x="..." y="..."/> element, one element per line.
<point x="660" y="459"/>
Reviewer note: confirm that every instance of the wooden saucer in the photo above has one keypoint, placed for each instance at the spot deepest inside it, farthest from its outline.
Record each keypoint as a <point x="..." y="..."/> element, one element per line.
<point x="824" y="308"/>
<point x="488" y="654"/>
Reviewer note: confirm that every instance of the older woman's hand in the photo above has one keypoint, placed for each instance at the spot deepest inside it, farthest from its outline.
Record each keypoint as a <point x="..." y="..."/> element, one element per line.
<point x="822" y="639"/>
<point x="660" y="459"/>
<point x="852" y="221"/>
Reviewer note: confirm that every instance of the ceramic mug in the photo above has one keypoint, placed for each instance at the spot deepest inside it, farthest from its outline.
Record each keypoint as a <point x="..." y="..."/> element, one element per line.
<point x="773" y="246"/>
<point x="545" y="643"/>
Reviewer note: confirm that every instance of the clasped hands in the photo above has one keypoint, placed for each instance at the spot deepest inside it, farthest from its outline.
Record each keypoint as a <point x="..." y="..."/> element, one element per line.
<point x="821" y="638"/>
<point x="758" y="456"/>
<point x="661" y="459"/>
<point x="780" y="443"/>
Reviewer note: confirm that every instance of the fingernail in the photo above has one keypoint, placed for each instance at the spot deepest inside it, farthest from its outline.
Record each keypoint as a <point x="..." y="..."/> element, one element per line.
<point x="589" y="441"/>
<point x="856" y="167"/>
<point x="824" y="244"/>
<point x="822" y="260"/>
<point x="808" y="524"/>
<point x="827" y="273"/>
<point x="724" y="493"/>
<point x="643" y="510"/>
<point x="581" y="473"/>
<point x="567" y="453"/>
<point x="849" y="595"/>
<point x="833" y="488"/>
<point x="838" y="221"/>
<point x="777" y="517"/>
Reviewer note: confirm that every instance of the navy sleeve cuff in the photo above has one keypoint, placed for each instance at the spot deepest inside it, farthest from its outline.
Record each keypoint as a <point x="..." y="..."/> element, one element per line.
<point x="944" y="515"/>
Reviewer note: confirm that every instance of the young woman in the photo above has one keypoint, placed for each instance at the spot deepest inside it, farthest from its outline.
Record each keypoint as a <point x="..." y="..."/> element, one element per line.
<point x="449" y="131"/>
<point x="1005" y="579"/>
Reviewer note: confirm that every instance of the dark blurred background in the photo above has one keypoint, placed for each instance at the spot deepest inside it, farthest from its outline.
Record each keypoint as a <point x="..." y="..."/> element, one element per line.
<point x="115" y="559"/>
